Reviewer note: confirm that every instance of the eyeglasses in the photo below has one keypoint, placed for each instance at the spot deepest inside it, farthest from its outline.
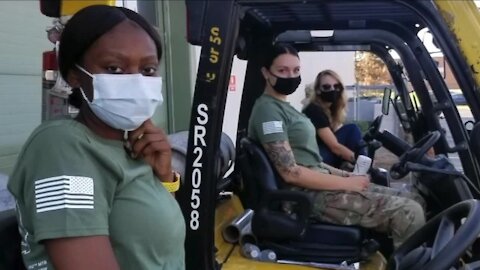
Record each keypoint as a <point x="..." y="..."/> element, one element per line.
<point x="328" y="87"/>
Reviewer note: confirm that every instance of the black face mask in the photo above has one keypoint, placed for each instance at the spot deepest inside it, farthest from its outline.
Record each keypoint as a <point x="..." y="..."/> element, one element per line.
<point x="286" y="86"/>
<point x="329" y="96"/>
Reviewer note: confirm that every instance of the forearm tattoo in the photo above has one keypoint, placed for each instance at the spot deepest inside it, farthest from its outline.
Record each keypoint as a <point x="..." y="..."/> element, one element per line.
<point x="282" y="158"/>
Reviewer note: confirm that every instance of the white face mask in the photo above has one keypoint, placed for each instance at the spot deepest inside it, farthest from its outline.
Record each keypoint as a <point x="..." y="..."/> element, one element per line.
<point x="124" y="101"/>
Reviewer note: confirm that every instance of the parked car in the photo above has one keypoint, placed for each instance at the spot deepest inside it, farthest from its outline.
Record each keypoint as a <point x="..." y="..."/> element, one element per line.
<point x="459" y="99"/>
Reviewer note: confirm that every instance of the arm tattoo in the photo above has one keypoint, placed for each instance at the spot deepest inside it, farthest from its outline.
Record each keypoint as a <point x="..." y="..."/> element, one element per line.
<point x="282" y="157"/>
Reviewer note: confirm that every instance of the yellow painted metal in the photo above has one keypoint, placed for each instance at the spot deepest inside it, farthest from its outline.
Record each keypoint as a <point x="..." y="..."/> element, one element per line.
<point x="237" y="262"/>
<point x="231" y="259"/>
<point x="463" y="19"/>
<point x="70" y="7"/>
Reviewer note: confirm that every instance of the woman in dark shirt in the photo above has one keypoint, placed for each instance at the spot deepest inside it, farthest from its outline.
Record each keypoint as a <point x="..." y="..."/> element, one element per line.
<point x="337" y="142"/>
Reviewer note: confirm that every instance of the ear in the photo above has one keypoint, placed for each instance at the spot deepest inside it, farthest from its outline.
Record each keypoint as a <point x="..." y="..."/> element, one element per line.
<point x="73" y="79"/>
<point x="265" y="73"/>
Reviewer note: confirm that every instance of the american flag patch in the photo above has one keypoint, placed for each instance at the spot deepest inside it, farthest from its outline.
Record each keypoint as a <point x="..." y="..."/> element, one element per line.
<point x="62" y="192"/>
<point x="272" y="127"/>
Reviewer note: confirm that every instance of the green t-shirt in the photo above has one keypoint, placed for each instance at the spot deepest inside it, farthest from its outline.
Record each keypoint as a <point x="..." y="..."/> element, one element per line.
<point x="276" y="120"/>
<point x="69" y="182"/>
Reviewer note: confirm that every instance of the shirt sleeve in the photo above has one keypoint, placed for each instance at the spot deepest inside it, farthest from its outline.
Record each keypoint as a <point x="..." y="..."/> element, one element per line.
<point x="64" y="193"/>
<point x="317" y="116"/>
<point x="268" y="124"/>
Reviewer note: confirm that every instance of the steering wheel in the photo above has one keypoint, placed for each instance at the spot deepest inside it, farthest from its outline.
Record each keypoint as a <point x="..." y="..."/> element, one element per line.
<point x="450" y="232"/>
<point x="415" y="154"/>
<point x="373" y="129"/>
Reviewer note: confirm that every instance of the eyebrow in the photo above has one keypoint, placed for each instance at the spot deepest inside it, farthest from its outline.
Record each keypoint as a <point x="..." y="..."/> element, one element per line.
<point x="125" y="56"/>
<point x="287" y="67"/>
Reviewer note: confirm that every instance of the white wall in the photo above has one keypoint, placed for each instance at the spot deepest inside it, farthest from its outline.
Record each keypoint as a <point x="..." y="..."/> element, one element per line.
<point x="22" y="40"/>
<point x="232" y="108"/>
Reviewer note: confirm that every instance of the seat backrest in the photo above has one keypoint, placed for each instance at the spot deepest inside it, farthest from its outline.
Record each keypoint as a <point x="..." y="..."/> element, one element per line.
<point x="179" y="144"/>
<point x="475" y="140"/>
<point x="257" y="171"/>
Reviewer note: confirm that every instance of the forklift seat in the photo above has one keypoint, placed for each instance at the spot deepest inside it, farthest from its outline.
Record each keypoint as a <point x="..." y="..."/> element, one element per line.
<point x="293" y="236"/>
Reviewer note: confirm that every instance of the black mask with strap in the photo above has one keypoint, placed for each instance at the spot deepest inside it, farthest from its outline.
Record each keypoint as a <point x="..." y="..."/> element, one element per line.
<point x="285" y="86"/>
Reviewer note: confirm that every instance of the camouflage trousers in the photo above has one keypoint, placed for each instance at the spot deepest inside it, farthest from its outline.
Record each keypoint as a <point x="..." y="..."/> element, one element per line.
<point x="397" y="212"/>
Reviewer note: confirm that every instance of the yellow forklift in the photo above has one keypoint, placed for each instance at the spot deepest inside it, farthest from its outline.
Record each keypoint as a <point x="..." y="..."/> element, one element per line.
<point x="243" y="28"/>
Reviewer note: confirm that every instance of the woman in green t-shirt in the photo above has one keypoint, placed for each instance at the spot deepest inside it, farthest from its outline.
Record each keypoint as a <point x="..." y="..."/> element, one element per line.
<point x="95" y="192"/>
<point x="289" y="138"/>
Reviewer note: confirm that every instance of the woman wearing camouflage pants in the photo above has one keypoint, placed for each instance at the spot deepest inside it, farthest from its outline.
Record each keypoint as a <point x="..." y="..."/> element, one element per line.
<point x="289" y="139"/>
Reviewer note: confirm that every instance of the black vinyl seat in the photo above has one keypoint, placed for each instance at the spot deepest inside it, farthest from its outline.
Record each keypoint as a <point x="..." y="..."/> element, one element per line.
<point x="293" y="236"/>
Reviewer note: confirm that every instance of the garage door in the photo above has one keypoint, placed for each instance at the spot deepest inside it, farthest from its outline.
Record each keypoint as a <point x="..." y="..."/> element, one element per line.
<point x="23" y="39"/>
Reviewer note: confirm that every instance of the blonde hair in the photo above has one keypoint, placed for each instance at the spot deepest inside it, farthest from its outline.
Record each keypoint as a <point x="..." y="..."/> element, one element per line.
<point x="336" y="112"/>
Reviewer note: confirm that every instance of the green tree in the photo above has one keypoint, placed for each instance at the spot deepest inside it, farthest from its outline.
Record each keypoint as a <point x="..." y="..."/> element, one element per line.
<point x="370" y="69"/>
